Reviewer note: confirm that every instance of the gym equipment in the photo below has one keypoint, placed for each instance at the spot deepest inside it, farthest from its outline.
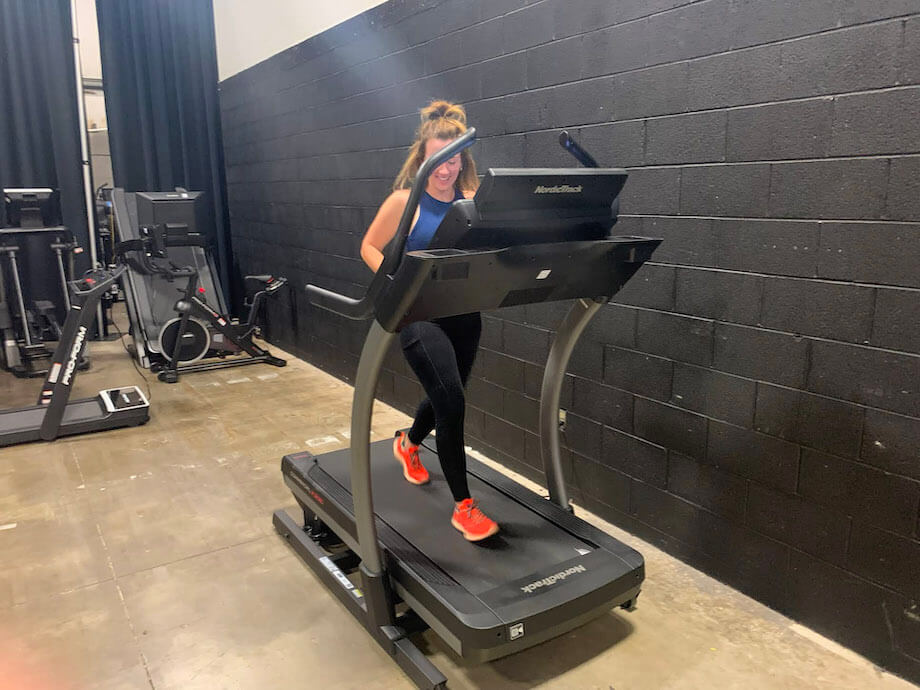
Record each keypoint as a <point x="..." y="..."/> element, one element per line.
<point x="198" y="329"/>
<point x="38" y="207"/>
<point x="31" y="323"/>
<point x="55" y="415"/>
<point x="31" y="310"/>
<point x="150" y="298"/>
<point x="165" y="225"/>
<point x="23" y="356"/>
<point x="528" y="236"/>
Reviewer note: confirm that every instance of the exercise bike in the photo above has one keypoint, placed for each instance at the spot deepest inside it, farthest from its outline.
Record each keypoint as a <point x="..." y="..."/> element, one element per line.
<point x="198" y="332"/>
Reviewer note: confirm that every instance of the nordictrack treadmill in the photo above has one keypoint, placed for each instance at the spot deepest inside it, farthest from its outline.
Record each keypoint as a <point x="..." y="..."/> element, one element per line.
<point x="528" y="236"/>
<point x="55" y="414"/>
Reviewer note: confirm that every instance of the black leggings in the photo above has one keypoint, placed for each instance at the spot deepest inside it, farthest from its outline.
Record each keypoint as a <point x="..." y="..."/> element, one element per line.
<point x="441" y="353"/>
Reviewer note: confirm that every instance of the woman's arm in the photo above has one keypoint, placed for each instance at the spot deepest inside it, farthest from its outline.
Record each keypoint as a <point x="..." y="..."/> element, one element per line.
<point x="383" y="228"/>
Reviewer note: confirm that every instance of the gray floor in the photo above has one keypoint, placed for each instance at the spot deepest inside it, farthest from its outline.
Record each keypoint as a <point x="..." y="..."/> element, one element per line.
<point x="146" y="558"/>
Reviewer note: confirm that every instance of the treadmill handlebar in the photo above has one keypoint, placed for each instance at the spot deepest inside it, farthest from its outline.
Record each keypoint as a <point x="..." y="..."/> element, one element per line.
<point x="142" y="261"/>
<point x="569" y="144"/>
<point x="586" y="159"/>
<point x="363" y="308"/>
<point x="393" y="257"/>
<point x="358" y="309"/>
<point x="97" y="281"/>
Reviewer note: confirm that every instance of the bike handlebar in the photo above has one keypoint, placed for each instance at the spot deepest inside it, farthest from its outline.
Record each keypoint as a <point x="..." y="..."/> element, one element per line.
<point x="145" y="264"/>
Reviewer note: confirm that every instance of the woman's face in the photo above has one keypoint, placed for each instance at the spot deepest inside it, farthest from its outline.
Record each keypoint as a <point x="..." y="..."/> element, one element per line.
<point x="444" y="177"/>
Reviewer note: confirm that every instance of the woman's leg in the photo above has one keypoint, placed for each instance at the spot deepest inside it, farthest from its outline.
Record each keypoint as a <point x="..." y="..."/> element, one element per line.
<point x="464" y="332"/>
<point x="423" y="422"/>
<point x="432" y="357"/>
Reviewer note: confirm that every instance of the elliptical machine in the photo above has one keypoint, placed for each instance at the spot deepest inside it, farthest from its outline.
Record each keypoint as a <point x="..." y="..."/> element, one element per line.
<point x="198" y="331"/>
<point x="30" y="311"/>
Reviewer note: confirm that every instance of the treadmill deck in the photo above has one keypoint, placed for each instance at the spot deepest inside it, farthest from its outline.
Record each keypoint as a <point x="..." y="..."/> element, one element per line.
<point x="543" y="569"/>
<point x="23" y="425"/>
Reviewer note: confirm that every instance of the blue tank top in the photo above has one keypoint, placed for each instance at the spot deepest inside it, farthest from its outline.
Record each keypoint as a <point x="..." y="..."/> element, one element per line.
<point x="430" y="214"/>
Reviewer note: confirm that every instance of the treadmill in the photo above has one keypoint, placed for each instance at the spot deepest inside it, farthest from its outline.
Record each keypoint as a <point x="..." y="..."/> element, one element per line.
<point x="528" y="236"/>
<point x="55" y="415"/>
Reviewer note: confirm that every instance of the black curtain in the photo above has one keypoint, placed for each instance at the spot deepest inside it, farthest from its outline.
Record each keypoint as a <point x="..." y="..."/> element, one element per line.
<point x="39" y="125"/>
<point x="159" y="68"/>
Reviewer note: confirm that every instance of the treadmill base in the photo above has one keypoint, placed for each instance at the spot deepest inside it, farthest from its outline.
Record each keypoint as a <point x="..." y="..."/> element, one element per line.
<point x="88" y="415"/>
<point x="393" y="639"/>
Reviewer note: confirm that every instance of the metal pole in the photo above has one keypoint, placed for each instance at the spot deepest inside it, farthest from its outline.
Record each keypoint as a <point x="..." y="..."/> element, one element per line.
<point x="19" y="300"/>
<point x="566" y="337"/>
<point x="84" y="153"/>
<point x="60" y="261"/>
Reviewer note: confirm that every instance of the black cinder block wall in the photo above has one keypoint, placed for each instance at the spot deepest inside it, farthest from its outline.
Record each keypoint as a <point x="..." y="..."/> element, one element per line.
<point x="751" y="401"/>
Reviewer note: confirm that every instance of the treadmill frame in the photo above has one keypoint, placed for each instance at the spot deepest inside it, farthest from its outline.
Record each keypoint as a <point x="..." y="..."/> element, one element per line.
<point x="54" y="399"/>
<point x="384" y="576"/>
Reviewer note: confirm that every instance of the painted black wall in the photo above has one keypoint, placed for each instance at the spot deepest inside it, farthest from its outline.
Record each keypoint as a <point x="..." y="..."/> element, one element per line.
<point x="751" y="401"/>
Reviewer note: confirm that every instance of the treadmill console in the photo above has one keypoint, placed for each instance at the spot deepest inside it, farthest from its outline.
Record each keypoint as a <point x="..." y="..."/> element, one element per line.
<point x="126" y="398"/>
<point x="533" y="206"/>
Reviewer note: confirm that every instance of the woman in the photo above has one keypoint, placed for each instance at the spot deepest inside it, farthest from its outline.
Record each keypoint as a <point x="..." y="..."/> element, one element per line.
<point x="440" y="351"/>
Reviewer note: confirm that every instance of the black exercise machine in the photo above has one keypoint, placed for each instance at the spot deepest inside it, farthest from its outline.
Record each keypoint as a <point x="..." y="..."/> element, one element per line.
<point x="528" y="236"/>
<point x="198" y="329"/>
<point x="55" y="414"/>
<point x="36" y="254"/>
<point x="26" y="352"/>
<point x="173" y="334"/>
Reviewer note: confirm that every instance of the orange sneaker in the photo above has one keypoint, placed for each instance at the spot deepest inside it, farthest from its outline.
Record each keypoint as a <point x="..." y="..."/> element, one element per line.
<point x="413" y="470"/>
<point x="472" y="521"/>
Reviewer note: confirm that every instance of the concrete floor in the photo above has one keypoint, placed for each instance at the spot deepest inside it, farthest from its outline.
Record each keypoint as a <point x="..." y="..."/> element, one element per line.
<point x="146" y="558"/>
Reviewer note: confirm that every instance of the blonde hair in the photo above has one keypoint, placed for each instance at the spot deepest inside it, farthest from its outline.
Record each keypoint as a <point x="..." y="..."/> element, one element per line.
<point x="440" y="120"/>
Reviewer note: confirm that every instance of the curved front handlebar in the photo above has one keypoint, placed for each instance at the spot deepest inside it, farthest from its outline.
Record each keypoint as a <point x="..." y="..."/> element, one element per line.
<point x="569" y="144"/>
<point x="363" y="308"/>
<point x="394" y="256"/>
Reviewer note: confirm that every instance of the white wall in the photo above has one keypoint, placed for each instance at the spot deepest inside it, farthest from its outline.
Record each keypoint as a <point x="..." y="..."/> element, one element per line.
<point x="249" y="31"/>
<point x="88" y="31"/>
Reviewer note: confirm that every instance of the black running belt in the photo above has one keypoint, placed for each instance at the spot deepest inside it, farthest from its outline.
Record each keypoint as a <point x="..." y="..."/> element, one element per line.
<point x="421" y="515"/>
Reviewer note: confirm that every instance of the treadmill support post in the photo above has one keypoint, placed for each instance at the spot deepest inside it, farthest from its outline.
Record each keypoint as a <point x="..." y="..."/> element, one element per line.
<point x="566" y="337"/>
<point x="57" y="387"/>
<point x="380" y="617"/>
<point x="375" y="349"/>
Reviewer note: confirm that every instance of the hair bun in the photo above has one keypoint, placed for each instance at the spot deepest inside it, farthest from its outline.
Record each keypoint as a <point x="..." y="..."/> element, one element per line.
<point x="438" y="109"/>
